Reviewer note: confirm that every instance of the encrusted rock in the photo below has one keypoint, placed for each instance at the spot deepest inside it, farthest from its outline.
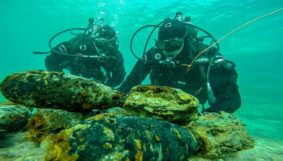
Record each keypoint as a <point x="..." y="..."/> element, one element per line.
<point x="13" y="117"/>
<point x="163" y="102"/>
<point x="50" y="121"/>
<point x="117" y="137"/>
<point x="57" y="90"/>
<point x="221" y="134"/>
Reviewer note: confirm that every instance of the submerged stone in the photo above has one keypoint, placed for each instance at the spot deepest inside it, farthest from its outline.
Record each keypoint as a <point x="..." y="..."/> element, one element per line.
<point x="50" y="121"/>
<point x="57" y="90"/>
<point x="117" y="137"/>
<point x="13" y="117"/>
<point x="162" y="102"/>
<point x="221" y="133"/>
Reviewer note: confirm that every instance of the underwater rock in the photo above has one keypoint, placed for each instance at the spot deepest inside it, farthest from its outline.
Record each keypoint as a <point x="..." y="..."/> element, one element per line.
<point x="117" y="137"/>
<point x="221" y="133"/>
<point x="120" y="136"/>
<point x="170" y="104"/>
<point x="50" y="121"/>
<point x="13" y="117"/>
<point x="57" y="90"/>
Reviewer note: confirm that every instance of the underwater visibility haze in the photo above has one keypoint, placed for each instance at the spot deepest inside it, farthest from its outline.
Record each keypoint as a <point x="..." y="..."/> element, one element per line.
<point x="27" y="25"/>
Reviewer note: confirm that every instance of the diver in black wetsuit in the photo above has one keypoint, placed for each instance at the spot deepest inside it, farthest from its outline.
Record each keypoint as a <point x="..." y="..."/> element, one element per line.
<point x="93" y="54"/>
<point x="211" y="77"/>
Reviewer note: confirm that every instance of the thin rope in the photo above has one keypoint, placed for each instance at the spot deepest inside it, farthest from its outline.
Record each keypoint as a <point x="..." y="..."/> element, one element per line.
<point x="231" y="32"/>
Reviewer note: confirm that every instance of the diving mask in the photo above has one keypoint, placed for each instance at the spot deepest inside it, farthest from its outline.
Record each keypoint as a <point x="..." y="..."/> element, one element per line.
<point x="170" y="45"/>
<point x="105" y="44"/>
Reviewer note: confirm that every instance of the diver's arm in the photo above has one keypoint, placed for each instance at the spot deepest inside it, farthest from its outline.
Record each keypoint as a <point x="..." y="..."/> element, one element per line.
<point x="56" y="61"/>
<point x="52" y="64"/>
<point x="118" y="71"/>
<point x="136" y="77"/>
<point x="223" y="80"/>
<point x="229" y="102"/>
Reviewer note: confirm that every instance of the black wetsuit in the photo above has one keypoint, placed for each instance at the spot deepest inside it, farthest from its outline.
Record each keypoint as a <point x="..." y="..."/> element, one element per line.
<point x="223" y="77"/>
<point x="109" y="70"/>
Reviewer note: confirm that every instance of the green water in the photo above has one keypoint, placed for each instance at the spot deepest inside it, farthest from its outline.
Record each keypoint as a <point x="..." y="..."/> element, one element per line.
<point x="27" y="25"/>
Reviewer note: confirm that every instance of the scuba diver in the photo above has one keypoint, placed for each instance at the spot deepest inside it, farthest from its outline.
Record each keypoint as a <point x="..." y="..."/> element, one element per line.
<point x="92" y="54"/>
<point x="174" y="61"/>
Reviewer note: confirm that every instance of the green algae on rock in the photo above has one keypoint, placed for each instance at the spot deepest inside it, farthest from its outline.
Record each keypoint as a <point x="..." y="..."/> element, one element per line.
<point x="57" y="90"/>
<point x="51" y="121"/>
<point x="163" y="102"/>
<point x="117" y="137"/>
<point x="13" y="117"/>
<point x="222" y="134"/>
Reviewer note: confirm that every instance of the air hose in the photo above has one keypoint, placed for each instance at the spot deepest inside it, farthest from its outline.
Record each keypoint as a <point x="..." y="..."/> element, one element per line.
<point x="54" y="36"/>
